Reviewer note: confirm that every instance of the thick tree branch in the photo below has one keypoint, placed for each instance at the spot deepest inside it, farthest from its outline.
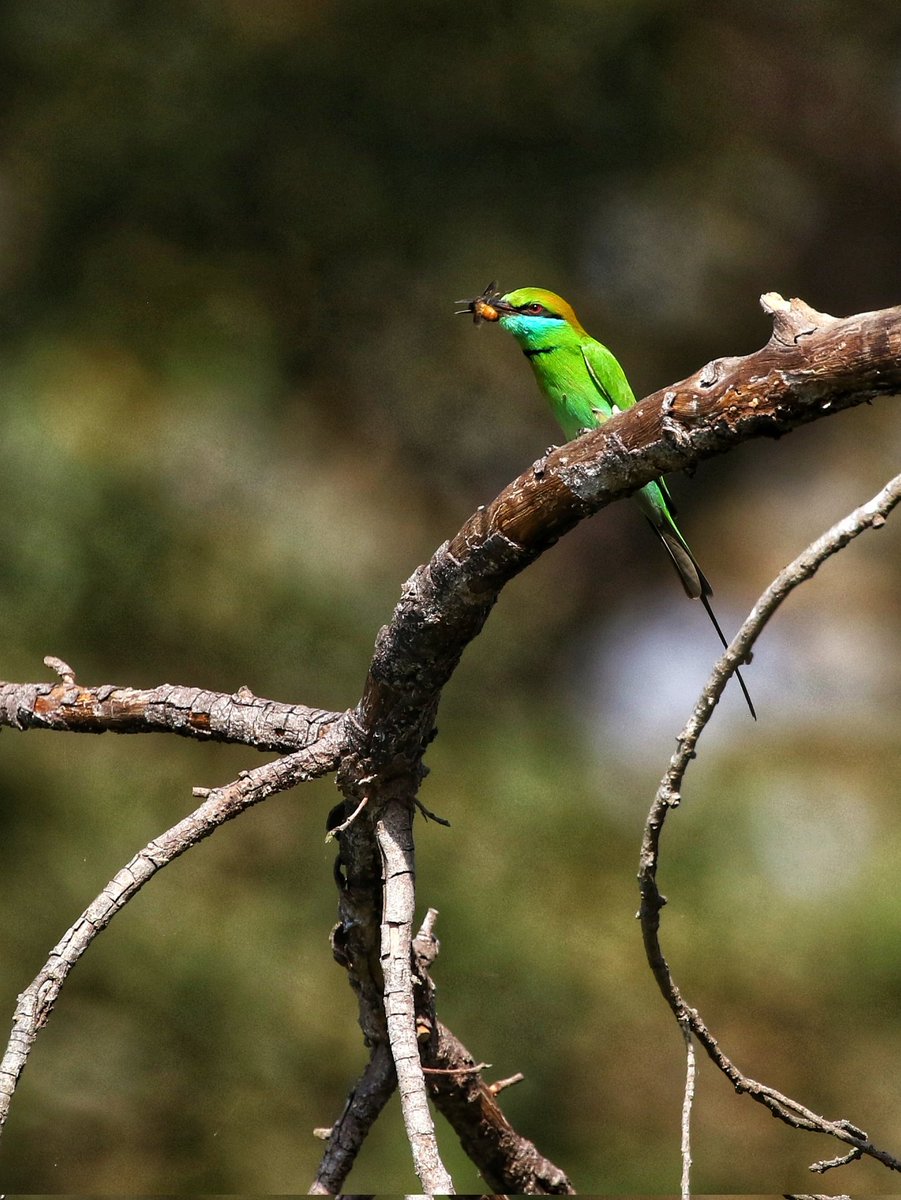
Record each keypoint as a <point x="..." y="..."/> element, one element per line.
<point x="869" y="516"/>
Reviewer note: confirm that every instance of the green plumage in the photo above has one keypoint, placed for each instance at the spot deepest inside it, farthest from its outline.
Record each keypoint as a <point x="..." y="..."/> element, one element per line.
<point x="585" y="386"/>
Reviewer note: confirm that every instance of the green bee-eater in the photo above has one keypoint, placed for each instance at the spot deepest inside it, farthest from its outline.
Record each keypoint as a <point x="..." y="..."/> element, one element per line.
<point x="585" y="386"/>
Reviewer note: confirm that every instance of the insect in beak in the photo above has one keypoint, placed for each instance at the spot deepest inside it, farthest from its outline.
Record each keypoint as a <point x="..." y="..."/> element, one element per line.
<point x="481" y="307"/>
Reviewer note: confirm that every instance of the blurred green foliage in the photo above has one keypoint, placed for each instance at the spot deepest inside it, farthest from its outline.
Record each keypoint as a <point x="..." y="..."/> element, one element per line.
<point x="237" y="412"/>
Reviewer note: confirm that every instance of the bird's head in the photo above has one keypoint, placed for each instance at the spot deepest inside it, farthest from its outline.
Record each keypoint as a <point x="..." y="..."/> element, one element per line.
<point x="527" y="313"/>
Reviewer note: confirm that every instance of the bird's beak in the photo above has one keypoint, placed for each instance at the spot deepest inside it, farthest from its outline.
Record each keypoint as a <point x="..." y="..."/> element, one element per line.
<point x="487" y="307"/>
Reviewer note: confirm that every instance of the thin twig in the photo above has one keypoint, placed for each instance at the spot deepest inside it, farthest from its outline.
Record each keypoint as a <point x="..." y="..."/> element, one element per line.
<point x="473" y="1070"/>
<point x="344" y="825"/>
<point x="36" y="1002"/>
<point x="827" y="1164"/>
<point x="63" y="670"/>
<point x="501" y="1085"/>
<point x="869" y="516"/>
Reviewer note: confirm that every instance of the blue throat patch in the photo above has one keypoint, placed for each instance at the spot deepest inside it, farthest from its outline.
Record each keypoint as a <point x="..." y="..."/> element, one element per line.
<point x="526" y="328"/>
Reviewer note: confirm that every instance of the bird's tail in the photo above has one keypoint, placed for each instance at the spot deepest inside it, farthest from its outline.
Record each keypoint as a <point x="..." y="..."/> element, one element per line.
<point x="696" y="585"/>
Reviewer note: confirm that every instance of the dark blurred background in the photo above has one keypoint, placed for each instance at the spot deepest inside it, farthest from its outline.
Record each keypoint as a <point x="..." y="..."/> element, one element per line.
<point x="237" y="412"/>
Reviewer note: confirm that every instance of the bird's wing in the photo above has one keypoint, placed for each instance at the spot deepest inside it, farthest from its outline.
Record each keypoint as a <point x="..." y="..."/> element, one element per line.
<point x="608" y="377"/>
<point x="610" y="381"/>
<point x="608" y="407"/>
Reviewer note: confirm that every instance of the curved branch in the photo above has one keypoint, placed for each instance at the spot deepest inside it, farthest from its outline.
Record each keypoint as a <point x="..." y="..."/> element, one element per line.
<point x="222" y="804"/>
<point x="869" y="516"/>
<point x="169" y="708"/>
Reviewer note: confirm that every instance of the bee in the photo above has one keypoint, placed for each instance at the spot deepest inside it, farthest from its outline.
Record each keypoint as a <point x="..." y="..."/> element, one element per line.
<point x="481" y="308"/>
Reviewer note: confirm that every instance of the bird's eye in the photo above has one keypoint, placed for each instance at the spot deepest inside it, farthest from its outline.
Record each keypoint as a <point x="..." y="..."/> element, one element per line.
<point x="536" y="308"/>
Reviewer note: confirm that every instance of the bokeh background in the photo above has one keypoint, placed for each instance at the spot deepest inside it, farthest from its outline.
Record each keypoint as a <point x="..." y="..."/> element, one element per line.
<point x="236" y="412"/>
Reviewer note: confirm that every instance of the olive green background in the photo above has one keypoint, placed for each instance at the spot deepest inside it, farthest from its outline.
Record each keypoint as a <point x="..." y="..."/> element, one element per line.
<point x="236" y="412"/>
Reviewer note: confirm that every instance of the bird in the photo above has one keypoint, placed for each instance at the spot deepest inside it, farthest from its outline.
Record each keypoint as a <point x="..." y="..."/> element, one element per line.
<point x="585" y="386"/>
